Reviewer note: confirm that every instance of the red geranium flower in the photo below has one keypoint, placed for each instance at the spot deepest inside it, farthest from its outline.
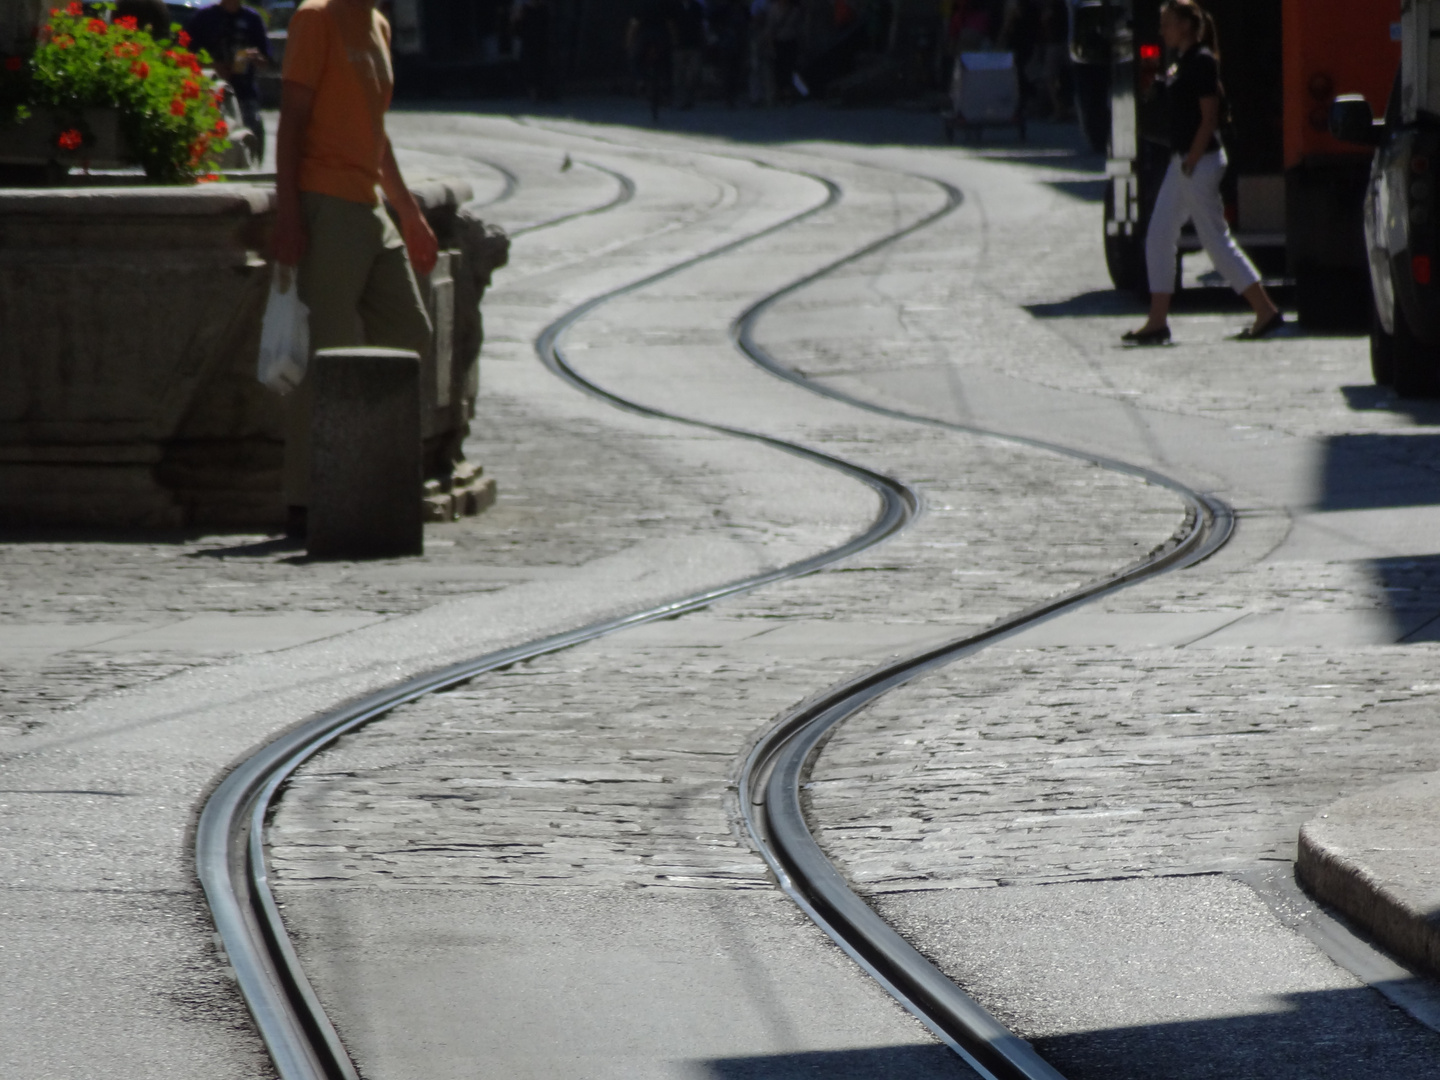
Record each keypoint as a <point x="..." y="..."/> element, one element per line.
<point x="74" y="9"/>
<point x="96" y="26"/>
<point x="140" y="69"/>
<point x="208" y="178"/>
<point x="70" y="140"/>
<point x="64" y="41"/>
<point x="13" y="63"/>
<point x="184" y="39"/>
<point x="177" y="107"/>
<point x="128" y="22"/>
<point x="190" y="89"/>
<point x="222" y="128"/>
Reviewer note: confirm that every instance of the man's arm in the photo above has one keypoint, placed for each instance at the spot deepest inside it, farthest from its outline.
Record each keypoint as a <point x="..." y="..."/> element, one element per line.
<point x="296" y="103"/>
<point x="420" y="240"/>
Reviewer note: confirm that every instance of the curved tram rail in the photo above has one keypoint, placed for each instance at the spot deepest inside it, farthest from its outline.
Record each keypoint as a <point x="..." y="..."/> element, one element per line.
<point x="230" y="855"/>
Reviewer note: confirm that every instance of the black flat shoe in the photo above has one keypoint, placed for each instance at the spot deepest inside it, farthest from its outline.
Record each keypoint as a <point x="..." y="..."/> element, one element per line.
<point x="1147" y="337"/>
<point x="1255" y="333"/>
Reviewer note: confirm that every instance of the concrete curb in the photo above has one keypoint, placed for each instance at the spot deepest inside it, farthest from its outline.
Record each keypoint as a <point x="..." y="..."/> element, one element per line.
<point x="1375" y="857"/>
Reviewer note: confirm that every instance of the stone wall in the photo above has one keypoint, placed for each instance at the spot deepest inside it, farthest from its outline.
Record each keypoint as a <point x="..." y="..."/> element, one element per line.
<point x="129" y="327"/>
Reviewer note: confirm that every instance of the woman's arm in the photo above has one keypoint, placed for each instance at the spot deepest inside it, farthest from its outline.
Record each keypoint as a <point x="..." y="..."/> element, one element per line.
<point x="1209" y="124"/>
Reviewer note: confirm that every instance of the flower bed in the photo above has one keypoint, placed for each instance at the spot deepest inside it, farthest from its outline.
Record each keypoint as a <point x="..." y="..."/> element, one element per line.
<point x="168" y="109"/>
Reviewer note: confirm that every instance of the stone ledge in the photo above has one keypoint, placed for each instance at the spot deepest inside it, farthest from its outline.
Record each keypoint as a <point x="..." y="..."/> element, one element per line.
<point x="1375" y="857"/>
<point x="202" y="200"/>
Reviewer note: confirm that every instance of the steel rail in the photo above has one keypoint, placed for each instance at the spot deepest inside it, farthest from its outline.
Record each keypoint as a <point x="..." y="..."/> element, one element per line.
<point x="229" y="842"/>
<point x="230" y="856"/>
<point x="622" y="196"/>
<point x="770" y="781"/>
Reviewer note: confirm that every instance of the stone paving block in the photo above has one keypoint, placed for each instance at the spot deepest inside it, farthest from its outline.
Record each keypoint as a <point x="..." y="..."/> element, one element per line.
<point x="1376" y="858"/>
<point x="19" y="644"/>
<point x="1334" y="630"/>
<point x="234" y="633"/>
<point x="1130" y="629"/>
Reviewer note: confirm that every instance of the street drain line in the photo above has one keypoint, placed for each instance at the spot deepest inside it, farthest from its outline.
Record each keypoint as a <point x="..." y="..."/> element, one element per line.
<point x="229" y="847"/>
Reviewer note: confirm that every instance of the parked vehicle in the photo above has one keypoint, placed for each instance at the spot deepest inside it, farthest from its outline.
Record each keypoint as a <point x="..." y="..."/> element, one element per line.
<point x="1293" y="193"/>
<point x="1401" y="209"/>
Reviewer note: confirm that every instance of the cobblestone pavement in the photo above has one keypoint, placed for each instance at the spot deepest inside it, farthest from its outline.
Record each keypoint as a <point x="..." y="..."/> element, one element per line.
<point x="608" y="766"/>
<point x="1135" y="741"/>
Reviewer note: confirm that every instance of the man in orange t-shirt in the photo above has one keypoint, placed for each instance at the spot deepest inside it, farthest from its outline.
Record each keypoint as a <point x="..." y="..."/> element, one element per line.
<point x="331" y="153"/>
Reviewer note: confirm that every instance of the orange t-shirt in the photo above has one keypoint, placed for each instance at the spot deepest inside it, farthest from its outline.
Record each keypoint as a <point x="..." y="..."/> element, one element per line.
<point x="342" y="52"/>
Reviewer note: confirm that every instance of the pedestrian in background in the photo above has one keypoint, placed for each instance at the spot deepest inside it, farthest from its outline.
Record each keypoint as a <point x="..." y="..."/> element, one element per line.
<point x="762" y="66"/>
<point x="238" y="42"/>
<point x="730" y="23"/>
<point x="355" y="275"/>
<point x="650" y="41"/>
<point x="1191" y="189"/>
<point x="530" y="20"/>
<point x="689" y="50"/>
<point x="784" y="21"/>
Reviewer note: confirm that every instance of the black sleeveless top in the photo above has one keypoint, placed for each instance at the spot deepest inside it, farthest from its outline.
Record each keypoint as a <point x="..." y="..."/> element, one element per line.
<point x="1195" y="75"/>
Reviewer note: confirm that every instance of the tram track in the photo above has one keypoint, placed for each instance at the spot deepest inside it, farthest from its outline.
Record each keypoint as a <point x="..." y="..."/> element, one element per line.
<point x="230" y="855"/>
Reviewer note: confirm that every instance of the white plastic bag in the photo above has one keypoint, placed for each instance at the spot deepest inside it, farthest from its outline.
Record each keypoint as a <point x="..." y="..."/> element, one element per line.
<point x="284" y="335"/>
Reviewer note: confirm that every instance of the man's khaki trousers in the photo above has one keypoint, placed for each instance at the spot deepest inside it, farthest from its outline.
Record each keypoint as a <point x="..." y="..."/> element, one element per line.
<point x="357" y="282"/>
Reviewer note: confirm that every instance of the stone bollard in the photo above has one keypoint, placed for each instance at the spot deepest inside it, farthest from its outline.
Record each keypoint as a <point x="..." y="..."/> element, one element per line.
<point x="366" y="474"/>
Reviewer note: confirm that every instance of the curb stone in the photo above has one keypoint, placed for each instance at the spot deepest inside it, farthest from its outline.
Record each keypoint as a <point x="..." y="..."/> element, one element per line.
<point x="1375" y="857"/>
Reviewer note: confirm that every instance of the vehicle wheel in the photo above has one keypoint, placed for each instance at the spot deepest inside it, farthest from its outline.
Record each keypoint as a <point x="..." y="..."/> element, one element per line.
<point x="1382" y="350"/>
<point x="1328" y="298"/>
<point x="1414" y="364"/>
<point x="1125" y="257"/>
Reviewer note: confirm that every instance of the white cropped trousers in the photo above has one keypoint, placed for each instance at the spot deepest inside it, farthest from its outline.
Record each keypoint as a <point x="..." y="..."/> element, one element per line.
<point x="1194" y="198"/>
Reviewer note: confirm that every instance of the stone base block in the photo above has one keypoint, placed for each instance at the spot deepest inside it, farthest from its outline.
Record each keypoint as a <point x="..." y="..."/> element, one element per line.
<point x="366" y="461"/>
<point x="464" y="494"/>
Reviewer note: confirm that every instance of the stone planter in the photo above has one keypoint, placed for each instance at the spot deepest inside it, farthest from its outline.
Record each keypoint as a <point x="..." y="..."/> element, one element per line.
<point x="129" y="326"/>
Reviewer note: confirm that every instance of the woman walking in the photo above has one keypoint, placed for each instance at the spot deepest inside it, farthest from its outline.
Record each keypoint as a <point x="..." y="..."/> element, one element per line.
<point x="1191" y="190"/>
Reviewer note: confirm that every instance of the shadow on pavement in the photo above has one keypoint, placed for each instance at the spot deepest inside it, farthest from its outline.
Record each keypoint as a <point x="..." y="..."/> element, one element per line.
<point x="1379" y="470"/>
<point x="1371" y="398"/>
<point x="1092" y="191"/>
<point x="1319" y="1035"/>
<point x="872" y="1063"/>
<point x="255" y="549"/>
<point x="1412" y="592"/>
<point x="1060" y="145"/>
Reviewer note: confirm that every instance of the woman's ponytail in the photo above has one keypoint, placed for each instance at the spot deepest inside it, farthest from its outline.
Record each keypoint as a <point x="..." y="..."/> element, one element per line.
<point x="1209" y="36"/>
<point x="1200" y="20"/>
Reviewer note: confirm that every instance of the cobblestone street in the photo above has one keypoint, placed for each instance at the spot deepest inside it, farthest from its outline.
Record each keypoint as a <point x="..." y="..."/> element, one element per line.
<point x="545" y="869"/>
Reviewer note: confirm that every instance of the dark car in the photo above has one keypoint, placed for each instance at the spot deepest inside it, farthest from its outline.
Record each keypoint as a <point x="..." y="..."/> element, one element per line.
<point x="1401" y="238"/>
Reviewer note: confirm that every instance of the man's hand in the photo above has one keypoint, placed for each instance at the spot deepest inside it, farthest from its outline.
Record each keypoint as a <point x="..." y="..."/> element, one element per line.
<point x="420" y="241"/>
<point x="1189" y="165"/>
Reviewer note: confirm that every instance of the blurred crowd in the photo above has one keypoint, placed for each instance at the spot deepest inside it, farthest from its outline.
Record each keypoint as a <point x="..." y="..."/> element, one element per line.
<point x="767" y="52"/>
<point x="1036" y="31"/>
